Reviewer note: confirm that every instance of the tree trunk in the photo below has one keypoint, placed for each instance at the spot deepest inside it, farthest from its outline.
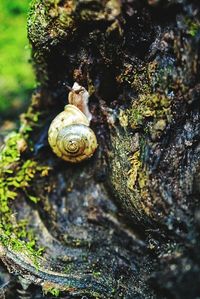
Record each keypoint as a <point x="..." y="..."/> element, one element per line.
<point x="125" y="223"/>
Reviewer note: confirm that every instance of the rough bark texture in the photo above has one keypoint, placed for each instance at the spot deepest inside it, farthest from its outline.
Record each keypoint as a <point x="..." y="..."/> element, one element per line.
<point x="124" y="224"/>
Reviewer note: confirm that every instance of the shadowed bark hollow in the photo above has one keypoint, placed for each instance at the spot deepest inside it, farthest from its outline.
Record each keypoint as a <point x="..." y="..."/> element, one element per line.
<point x="125" y="223"/>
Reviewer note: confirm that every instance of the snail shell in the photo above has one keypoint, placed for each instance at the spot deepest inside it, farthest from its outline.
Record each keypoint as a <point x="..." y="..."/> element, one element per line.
<point x="70" y="136"/>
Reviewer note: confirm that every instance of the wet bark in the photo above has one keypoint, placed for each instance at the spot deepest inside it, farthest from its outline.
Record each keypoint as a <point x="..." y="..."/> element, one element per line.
<point x="124" y="224"/>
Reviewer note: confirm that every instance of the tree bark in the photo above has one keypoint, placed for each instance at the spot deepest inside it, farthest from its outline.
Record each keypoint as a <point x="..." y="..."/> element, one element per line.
<point x="124" y="224"/>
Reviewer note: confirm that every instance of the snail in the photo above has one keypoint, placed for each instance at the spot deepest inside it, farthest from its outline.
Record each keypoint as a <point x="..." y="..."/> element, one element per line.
<point x="69" y="135"/>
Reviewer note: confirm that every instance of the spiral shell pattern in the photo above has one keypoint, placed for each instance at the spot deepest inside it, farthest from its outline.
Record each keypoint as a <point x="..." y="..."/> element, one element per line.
<point x="70" y="136"/>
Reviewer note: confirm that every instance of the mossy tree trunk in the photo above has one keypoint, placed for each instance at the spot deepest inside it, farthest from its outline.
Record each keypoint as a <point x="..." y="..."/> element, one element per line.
<point x="124" y="224"/>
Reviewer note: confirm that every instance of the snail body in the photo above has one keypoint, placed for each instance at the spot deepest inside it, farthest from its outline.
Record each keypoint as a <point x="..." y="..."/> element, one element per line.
<point x="70" y="136"/>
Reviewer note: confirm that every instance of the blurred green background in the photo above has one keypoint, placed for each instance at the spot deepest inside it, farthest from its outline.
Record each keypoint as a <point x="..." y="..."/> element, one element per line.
<point x="16" y="74"/>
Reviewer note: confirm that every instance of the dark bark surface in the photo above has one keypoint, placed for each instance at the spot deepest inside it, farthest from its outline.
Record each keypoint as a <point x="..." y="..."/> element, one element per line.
<point x="124" y="224"/>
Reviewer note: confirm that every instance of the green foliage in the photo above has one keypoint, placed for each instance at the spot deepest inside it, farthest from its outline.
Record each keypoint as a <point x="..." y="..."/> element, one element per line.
<point x="16" y="74"/>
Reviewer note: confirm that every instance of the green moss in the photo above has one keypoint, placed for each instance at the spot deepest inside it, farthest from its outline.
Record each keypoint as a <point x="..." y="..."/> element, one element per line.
<point x="16" y="176"/>
<point x="97" y="274"/>
<point x="16" y="75"/>
<point x="53" y="291"/>
<point x="193" y="27"/>
<point x="147" y="107"/>
<point x="29" y="119"/>
<point x="42" y="14"/>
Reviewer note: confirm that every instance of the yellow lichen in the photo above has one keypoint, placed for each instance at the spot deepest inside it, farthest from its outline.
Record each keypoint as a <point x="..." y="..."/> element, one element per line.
<point x="123" y="118"/>
<point x="133" y="172"/>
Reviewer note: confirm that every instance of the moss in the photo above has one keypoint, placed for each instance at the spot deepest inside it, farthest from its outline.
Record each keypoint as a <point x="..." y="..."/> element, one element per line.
<point x="16" y="176"/>
<point x="136" y="77"/>
<point x="146" y="107"/>
<point x="53" y="291"/>
<point x="149" y="113"/>
<point x="41" y="15"/>
<point x="193" y="26"/>
<point x="97" y="274"/>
